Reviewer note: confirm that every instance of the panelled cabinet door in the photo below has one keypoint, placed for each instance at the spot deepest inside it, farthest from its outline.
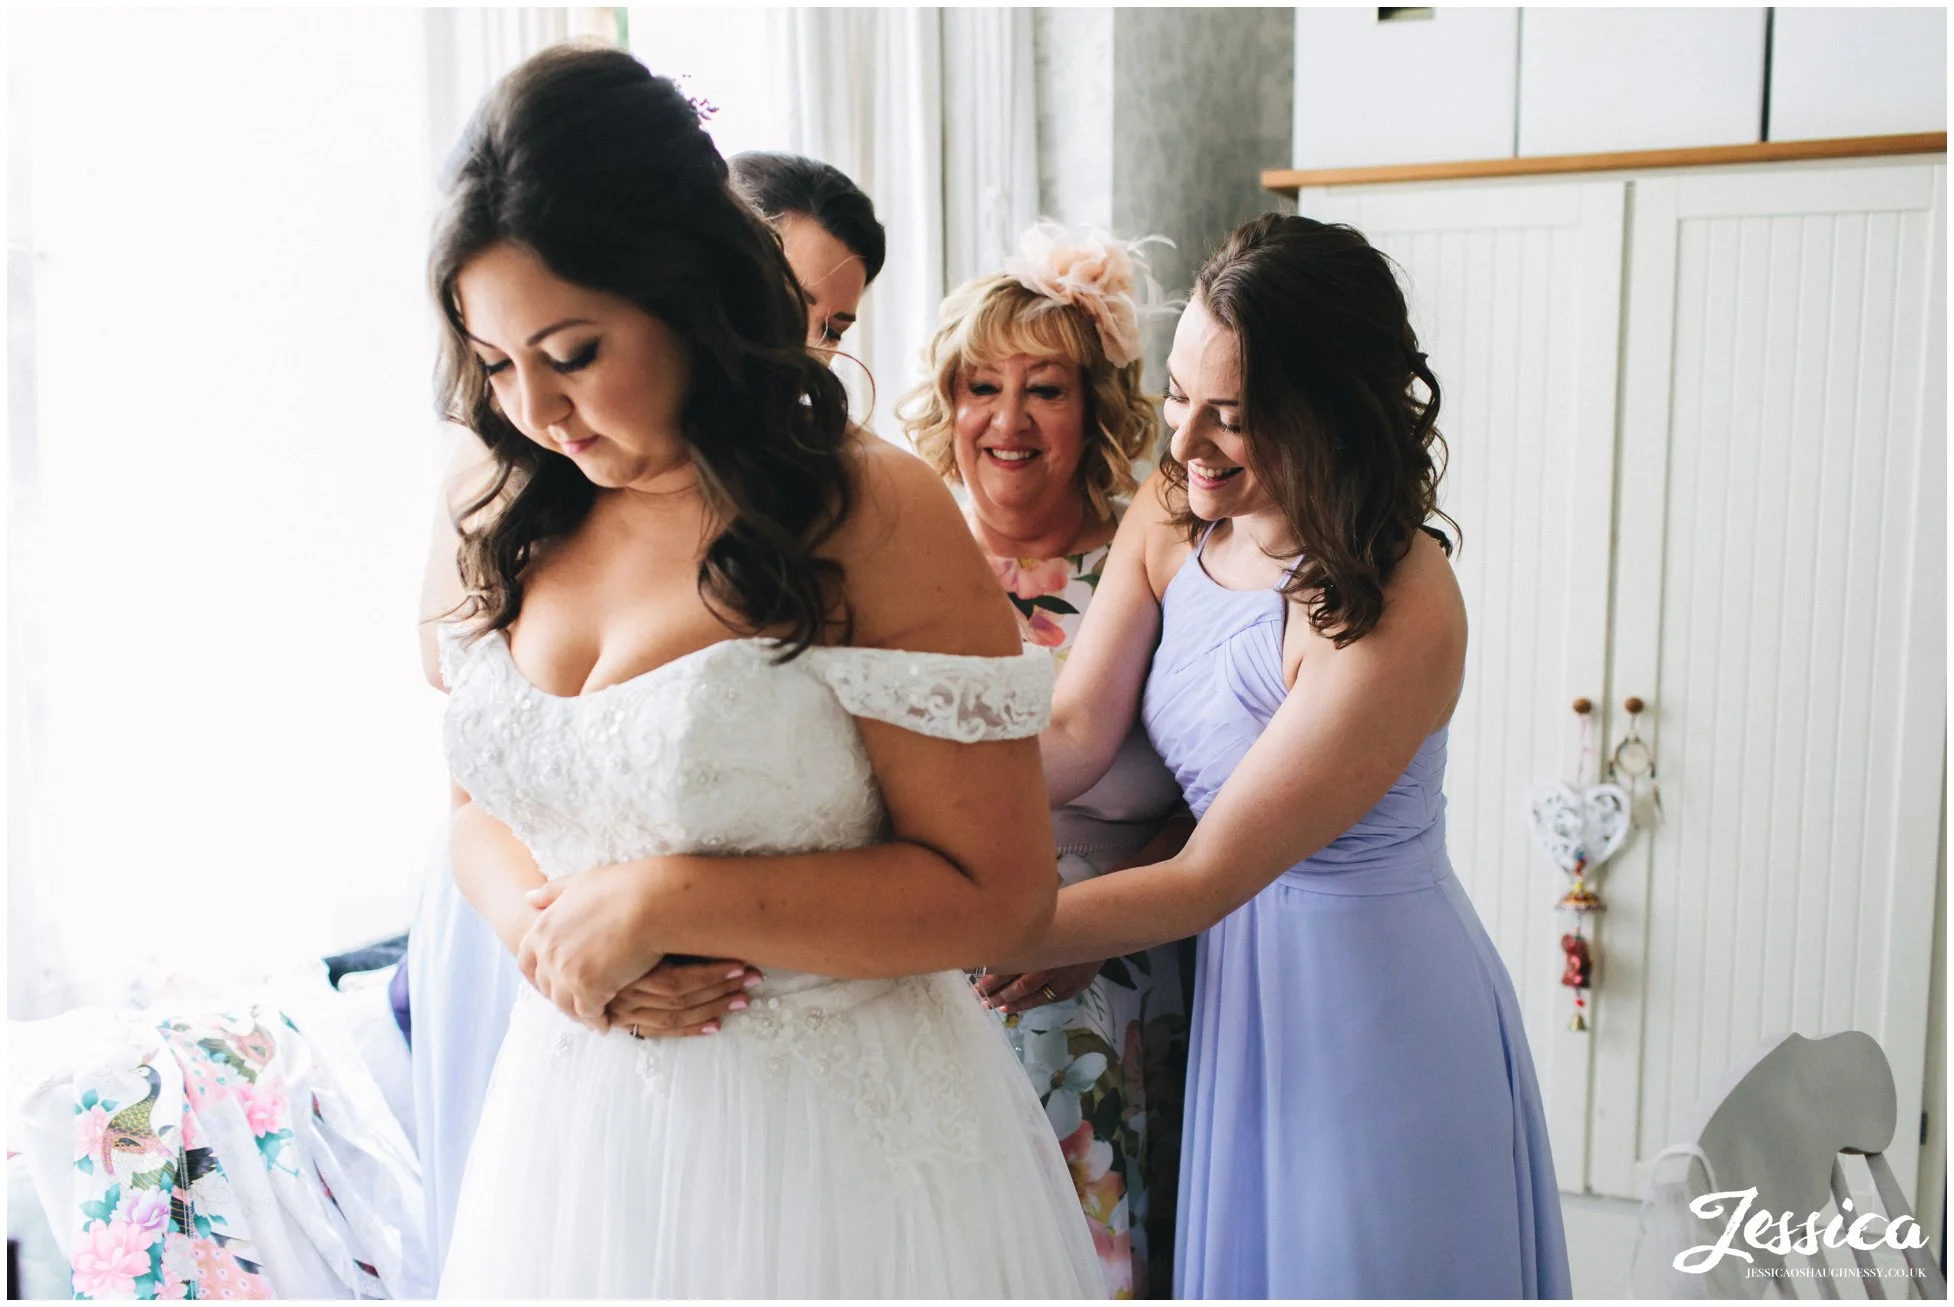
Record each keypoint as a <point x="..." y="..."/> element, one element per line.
<point x="1780" y="606"/>
<point x="1515" y="295"/>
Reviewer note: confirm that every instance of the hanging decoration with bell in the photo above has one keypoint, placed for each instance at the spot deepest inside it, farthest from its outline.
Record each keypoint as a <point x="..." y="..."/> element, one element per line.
<point x="1578" y="973"/>
<point x="1580" y="827"/>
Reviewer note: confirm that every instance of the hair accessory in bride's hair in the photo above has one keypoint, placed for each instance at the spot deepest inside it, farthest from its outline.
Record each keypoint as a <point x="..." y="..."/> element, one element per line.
<point x="1104" y="277"/>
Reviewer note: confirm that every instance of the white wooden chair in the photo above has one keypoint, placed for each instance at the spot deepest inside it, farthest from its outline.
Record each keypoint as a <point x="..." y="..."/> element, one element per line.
<point x="1787" y="1121"/>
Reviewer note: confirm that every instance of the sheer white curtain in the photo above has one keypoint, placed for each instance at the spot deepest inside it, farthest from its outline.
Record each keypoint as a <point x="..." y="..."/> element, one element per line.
<point x="864" y="92"/>
<point x="990" y="138"/>
<point x="931" y="112"/>
<point x="734" y="59"/>
<point x="223" y="454"/>
<point x="469" y="48"/>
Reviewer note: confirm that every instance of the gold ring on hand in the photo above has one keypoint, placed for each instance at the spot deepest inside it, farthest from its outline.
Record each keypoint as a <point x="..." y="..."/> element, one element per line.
<point x="1050" y="996"/>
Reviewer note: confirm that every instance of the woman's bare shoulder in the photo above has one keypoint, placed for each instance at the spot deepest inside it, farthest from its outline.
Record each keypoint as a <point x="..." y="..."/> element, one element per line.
<point x="915" y="578"/>
<point x="1161" y="542"/>
<point x="1427" y="588"/>
<point x="1423" y="625"/>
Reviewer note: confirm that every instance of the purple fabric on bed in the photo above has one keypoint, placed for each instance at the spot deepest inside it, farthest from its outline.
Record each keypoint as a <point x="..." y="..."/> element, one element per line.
<point x="397" y="995"/>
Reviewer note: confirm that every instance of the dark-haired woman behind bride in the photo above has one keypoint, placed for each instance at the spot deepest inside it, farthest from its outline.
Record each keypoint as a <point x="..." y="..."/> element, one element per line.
<point x="733" y="681"/>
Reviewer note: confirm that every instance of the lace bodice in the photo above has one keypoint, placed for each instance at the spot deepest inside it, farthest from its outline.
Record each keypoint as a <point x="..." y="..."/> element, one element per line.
<point x="720" y="751"/>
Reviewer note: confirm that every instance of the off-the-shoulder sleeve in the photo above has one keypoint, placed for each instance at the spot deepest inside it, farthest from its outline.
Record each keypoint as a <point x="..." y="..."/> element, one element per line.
<point x="950" y="696"/>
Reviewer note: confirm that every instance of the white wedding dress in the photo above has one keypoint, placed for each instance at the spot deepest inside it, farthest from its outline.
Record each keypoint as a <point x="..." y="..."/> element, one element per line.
<point x="840" y="1138"/>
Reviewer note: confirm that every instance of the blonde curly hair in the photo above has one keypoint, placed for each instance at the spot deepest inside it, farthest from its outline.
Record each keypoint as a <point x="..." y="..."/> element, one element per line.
<point x="993" y="318"/>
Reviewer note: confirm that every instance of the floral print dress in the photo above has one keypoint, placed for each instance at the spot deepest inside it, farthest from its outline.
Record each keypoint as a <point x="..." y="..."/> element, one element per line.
<point x="1109" y="1064"/>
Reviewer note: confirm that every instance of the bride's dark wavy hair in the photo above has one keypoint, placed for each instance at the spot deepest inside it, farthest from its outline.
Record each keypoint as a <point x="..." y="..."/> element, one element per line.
<point x="603" y="171"/>
<point x="1335" y="433"/>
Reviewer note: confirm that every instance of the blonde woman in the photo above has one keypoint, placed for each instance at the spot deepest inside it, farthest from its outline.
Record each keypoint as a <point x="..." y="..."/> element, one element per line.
<point x="1034" y="408"/>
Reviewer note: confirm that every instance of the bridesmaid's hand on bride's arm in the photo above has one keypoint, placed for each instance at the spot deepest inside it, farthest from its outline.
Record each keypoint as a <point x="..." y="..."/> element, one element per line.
<point x="684" y="998"/>
<point x="588" y="943"/>
<point x="1011" y="994"/>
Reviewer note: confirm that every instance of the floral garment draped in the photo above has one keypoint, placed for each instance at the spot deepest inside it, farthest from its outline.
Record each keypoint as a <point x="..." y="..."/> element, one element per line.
<point x="1109" y="1065"/>
<point x="189" y="1152"/>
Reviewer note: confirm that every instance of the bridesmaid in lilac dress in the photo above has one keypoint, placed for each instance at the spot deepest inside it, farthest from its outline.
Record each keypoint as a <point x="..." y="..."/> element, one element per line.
<point x="1362" y="1114"/>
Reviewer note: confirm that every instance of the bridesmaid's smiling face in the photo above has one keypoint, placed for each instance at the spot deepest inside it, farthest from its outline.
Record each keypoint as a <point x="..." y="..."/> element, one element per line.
<point x="1203" y="409"/>
<point x="587" y="374"/>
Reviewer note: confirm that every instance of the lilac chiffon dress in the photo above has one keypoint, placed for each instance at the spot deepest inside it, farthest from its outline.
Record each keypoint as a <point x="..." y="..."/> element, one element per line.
<point x="1362" y="1115"/>
<point x="461" y="988"/>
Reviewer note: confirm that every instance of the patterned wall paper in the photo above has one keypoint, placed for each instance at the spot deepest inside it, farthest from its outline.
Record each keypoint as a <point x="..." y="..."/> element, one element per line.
<point x="1201" y="105"/>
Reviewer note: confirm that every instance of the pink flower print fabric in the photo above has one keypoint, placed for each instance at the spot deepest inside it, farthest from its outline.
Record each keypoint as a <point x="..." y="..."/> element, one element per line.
<point x="158" y="1146"/>
<point x="1050" y="594"/>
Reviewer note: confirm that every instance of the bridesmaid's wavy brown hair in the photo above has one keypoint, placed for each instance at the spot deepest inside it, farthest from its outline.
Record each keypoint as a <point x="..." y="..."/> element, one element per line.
<point x="1347" y="449"/>
<point x="605" y="172"/>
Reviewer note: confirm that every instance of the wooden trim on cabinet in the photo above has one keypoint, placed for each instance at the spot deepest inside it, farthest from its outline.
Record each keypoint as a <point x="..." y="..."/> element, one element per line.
<point x="1289" y="180"/>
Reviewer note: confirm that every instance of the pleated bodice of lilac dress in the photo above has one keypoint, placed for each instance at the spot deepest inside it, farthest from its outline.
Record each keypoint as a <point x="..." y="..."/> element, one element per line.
<point x="1363" y="1119"/>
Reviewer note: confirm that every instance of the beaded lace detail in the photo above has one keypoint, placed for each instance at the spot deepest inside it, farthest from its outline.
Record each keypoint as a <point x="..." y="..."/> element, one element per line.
<point x="721" y="751"/>
<point x="727" y="751"/>
<point x="950" y="696"/>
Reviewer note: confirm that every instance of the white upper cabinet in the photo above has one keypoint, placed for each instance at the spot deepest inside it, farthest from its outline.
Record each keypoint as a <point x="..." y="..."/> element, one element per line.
<point x="1376" y="87"/>
<point x="1374" y="90"/>
<point x="1595" y="80"/>
<point x="1858" y="72"/>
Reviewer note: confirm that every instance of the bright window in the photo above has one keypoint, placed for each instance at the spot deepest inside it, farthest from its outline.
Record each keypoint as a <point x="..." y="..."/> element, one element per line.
<point x="225" y="750"/>
<point x="727" y="57"/>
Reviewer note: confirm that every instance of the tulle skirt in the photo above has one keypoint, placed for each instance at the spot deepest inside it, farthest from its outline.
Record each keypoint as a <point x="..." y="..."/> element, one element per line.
<point x="853" y="1139"/>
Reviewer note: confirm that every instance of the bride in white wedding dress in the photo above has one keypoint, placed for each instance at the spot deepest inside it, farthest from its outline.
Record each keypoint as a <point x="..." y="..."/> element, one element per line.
<point x="733" y="681"/>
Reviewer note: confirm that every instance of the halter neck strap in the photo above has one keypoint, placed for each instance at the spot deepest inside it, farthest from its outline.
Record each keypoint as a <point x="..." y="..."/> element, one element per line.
<point x="1201" y="545"/>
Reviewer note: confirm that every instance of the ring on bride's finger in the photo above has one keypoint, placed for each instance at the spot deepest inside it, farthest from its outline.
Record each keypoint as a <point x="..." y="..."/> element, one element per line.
<point x="635" y="1034"/>
<point x="1050" y="997"/>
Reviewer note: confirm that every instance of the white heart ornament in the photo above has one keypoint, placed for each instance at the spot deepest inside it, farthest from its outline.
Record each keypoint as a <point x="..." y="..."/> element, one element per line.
<point x="1569" y="821"/>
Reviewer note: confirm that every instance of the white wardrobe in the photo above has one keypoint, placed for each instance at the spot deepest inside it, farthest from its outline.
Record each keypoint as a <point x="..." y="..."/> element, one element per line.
<point x="1698" y="449"/>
